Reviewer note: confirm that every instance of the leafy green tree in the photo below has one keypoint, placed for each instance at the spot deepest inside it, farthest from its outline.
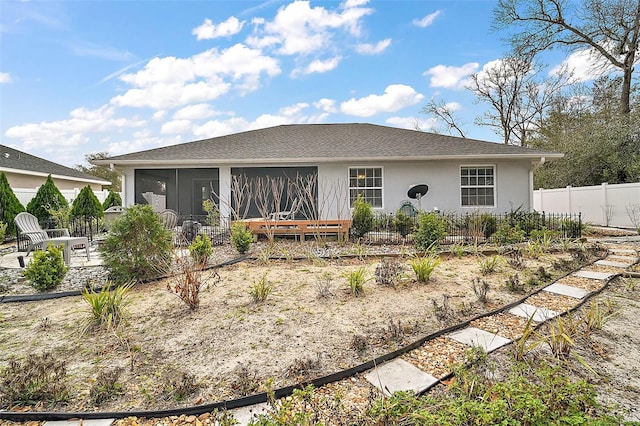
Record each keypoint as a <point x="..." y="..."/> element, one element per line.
<point x="10" y="206"/>
<point x="138" y="247"/>
<point x="48" y="197"/>
<point x="113" y="199"/>
<point x="86" y="204"/>
<point x="101" y="171"/>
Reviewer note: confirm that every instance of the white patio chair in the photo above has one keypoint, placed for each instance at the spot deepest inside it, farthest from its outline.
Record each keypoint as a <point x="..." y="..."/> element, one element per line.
<point x="29" y="227"/>
<point x="286" y="214"/>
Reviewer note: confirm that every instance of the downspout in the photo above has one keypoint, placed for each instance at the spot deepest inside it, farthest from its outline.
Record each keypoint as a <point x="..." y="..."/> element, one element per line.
<point x="535" y="166"/>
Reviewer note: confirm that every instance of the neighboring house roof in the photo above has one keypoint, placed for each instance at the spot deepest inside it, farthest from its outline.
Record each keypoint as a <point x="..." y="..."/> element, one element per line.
<point x="14" y="161"/>
<point x="326" y="143"/>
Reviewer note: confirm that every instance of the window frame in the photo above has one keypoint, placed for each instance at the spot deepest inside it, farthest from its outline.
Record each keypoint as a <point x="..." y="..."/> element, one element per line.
<point x="493" y="186"/>
<point x="381" y="187"/>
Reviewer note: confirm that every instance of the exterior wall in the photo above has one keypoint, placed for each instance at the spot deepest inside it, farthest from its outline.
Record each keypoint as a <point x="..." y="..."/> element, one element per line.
<point x="24" y="195"/>
<point x="512" y="185"/>
<point x="17" y="180"/>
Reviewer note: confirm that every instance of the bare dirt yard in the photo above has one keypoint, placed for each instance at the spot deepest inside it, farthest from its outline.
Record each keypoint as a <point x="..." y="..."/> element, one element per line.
<point x="310" y="325"/>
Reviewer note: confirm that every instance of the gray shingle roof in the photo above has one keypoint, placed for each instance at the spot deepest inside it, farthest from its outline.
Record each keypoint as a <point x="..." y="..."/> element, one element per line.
<point x="325" y="143"/>
<point x="11" y="158"/>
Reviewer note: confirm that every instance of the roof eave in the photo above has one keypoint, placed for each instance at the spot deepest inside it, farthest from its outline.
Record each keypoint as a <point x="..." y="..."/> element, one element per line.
<point x="54" y="176"/>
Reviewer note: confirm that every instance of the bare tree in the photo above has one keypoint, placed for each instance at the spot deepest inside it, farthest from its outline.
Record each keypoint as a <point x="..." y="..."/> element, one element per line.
<point x="443" y="112"/>
<point x="608" y="28"/>
<point x="517" y="98"/>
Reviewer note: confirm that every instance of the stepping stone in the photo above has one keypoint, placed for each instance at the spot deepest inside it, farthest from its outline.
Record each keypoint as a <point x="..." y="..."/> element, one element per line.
<point x="244" y="415"/>
<point x="593" y="275"/>
<point x="566" y="290"/>
<point x="621" y="251"/>
<point x="627" y="259"/>
<point x="611" y="263"/>
<point x="98" y="422"/>
<point x="399" y="375"/>
<point x="540" y="314"/>
<point x="473" y="337"/>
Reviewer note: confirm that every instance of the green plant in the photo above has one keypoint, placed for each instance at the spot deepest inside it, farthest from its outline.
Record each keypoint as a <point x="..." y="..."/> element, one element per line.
<point x="595" y="317"/>
<point x="514" y="284"/>
<point x="201" y="249"/>
<point x="430" y="230"/>
<point x="403" y="223"/>
<point x="561" y="335"/>
<point x="388" y="272"/>
<point x="47" y="197"/>
<point x="213" y="213"/>
<point x="86" y="204"/>
<point x="361" y="217"/>
<point x="113" y="199"/>
<point x="359" y="250"/>
<point x="423" y="266"/>
<point x="106" y="386"/>
<point x="241" y="237"/>
<point x="108" y="308"/>
<point x="59" y="216"/>
<point x="3" y="231"/>
<point x="261" y="289"/>
<point x="33" y="380"/>
<point x="508" y="234"/>
<point x="458" y="250"/>
<point x="47" y="269"/>
<point x="177" y="385"/>
<point x="489" y="265"/>
<point x="10" y="206"/>
<point x="356" y="280"/>
<point x="138" y="247"/>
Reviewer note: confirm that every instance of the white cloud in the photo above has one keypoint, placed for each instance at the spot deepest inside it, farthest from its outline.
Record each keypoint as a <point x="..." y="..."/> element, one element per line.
<point x="294" y="110"/>
<point x="215" y="128"/>
<point x="195" y="112"/>
<point x="5" y="77"/>
<point x="451" y="77"/>
<point x="102" y="52"/>
<point x="427" y="20"/>
<point x="170" y="82"/>
<point x="176" y="126"/>
<point x="395" y="97"/>
<point x="326" y="105"/>
<point x="159" y="115"/>
<point x="319" y="66"/>
<point x="208" y="30"/>
<point x="410" y="123"/>
<point x="66" y="135"/>
<point x="300" y="29"/>
<point x="354" y="3"/>
<point x="373" y="49"/>
<point x="141" y="141"/>
<point x="584" y="65"/>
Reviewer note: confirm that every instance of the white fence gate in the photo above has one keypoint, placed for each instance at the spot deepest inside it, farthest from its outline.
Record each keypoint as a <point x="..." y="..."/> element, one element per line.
<point x="607" y="205"/>
<point x="26" y="194"/>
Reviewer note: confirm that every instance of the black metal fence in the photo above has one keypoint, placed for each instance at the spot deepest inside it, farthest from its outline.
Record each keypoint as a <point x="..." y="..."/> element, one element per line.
<point x="474" y="227"/>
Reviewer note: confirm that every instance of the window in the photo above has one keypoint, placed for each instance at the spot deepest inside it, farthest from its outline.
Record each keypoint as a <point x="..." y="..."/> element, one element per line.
<point x="367" y="182"/>
<point x="477" y="185"/>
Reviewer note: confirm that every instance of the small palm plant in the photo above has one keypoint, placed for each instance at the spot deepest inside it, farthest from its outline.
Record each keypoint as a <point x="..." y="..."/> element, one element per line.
<point x="108" y="308"/>
<point x="356" y="280"/>
<point x="423" y="266"/>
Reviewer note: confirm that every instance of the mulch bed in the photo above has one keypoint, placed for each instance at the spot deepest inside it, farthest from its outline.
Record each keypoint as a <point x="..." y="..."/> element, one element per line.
<point x="503" y="324"/>
<point x="553" y="301"/>
<point x="583" y="283"/>
<point x="437" y="356"/>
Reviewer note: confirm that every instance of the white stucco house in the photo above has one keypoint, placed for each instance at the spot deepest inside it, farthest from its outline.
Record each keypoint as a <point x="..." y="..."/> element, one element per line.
<point x="378" y="162"/>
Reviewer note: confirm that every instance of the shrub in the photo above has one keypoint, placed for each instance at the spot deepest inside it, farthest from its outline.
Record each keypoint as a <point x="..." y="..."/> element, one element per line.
<point x="431" y="228"/>
<point x="113" y="199"/>
<point x="213" y="213"/>
<point x="261" y="289"/>
<point x="47" y="269"/>
<point x="490" y="264"/>
<point x="86" y="204"/>
<point x="108" y="308"/>
<point x="47" y="197"/>
<point x="507" y="234"/>
<point x="488" y="224"/>
<point x="36" y="379"/>
<point x="424" y="266"/>
<point x="10" y="206"/>
<point x="403" y="223"/>
<point x="3" y="231"/>
<point x="362" y="217"/>
<point x="241" y="237"/>
<point x="356" y="280"/>
<point x="200" y="249"/>
<point x="138" y="247"/>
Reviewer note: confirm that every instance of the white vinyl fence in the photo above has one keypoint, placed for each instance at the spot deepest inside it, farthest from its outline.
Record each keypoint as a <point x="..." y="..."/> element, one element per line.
<point x="607" y="205"/>
<point x="26" y="194"/>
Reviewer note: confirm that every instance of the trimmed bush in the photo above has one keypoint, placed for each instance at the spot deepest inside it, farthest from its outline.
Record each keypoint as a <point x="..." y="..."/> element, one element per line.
<point x="113" y="199"/>
<point x="431" y="228"/>
<point x="10" y="206"/>
<point x="241" y="237"/>
<point x="138" y="247"/>
<point x="362" y="217"/>
<point x="47" y="269"/>
<point x="200" y="249"/>
<point x="86" y="204"/>
<point x="47" y="197"/>
<point x="403" y="223"/>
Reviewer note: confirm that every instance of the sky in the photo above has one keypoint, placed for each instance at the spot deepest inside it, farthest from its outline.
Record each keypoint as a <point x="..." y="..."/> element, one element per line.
<point x="81" y="77"/>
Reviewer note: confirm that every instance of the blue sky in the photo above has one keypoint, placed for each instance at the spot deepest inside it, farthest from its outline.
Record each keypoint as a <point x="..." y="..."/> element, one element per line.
<point x="80" y="77"/>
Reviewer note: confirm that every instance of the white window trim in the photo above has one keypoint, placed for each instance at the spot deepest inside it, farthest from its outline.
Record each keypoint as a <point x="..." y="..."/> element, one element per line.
<point x="381" y="188"/>
<point x="495" y="185"/>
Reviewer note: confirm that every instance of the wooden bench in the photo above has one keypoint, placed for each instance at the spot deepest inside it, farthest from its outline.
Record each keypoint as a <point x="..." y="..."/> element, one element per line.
<point x="298" y="227"/>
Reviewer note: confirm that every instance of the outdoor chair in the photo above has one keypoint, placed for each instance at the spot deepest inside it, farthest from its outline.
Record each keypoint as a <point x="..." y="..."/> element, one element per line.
<point x="169" y="219"/>
<point x="286" y="214"/>
<point x="38" y="238"/>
